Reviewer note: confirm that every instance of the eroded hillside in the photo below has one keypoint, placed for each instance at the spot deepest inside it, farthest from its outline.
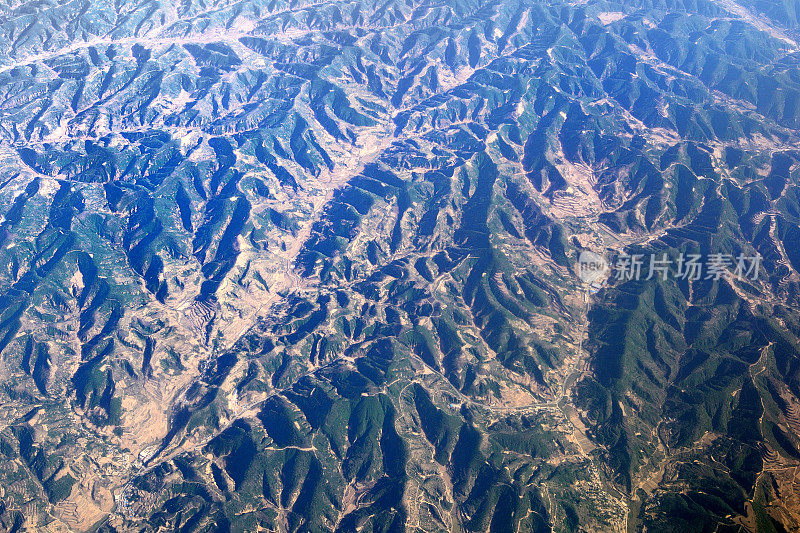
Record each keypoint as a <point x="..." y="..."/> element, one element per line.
<point x="310" y="266"/>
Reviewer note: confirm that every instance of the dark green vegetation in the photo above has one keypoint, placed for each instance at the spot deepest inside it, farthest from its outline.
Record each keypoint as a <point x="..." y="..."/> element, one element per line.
<point x="307" y="266"/>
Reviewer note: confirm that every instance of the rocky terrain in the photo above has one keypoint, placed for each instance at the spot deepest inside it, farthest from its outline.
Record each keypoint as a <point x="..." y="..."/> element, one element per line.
<point x="311" y="266"/>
